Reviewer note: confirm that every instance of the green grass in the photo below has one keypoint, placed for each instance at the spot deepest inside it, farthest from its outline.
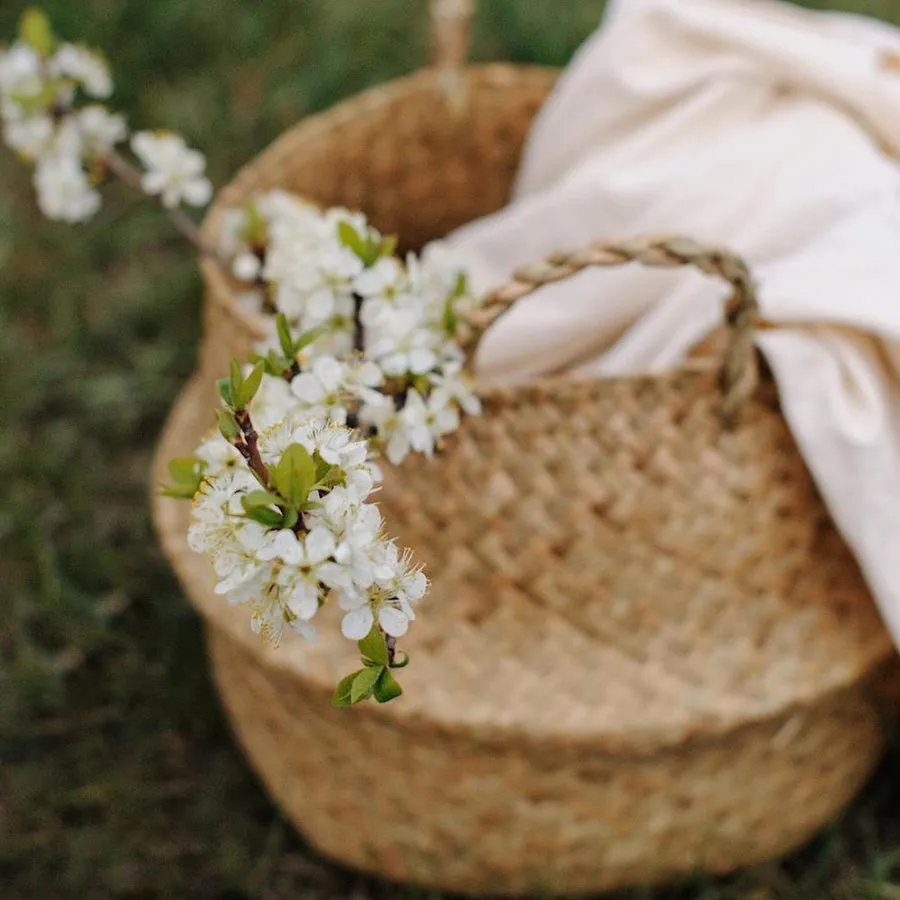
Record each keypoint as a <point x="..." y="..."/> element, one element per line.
<point x="118" y="777"/>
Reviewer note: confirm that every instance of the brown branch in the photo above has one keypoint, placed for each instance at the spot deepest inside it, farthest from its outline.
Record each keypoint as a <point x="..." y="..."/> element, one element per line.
<point x="131" y="176"/>
<point x="391" y="644"/>
<point x="248" y="447"/>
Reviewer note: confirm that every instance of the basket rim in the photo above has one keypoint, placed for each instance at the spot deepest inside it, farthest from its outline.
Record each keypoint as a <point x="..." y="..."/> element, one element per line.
<point x="219" y="287"/>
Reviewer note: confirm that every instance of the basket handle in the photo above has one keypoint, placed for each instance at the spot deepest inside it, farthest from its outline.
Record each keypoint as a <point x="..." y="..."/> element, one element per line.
<point x="740" y="372"/>
<point x="451" y="32"/>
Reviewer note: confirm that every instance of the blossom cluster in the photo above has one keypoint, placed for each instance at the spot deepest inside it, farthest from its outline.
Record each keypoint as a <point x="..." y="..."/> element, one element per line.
<point x="285" y="517"/>
<point x="72" y="146"/>
<point x="386" y="353"/>
<point x="285" y="573"/>
<point x="362" y="358"/>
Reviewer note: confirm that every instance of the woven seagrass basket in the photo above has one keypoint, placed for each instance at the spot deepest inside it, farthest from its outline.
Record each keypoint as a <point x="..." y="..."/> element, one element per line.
<point x="646" y="649"/>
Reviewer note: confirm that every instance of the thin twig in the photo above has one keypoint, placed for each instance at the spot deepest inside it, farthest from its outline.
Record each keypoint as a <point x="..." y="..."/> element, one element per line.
<point x="358" y="336"/>
<point x="391" y="644"/>
<point x="248" y="447"/>
<point x="131" y="176"/>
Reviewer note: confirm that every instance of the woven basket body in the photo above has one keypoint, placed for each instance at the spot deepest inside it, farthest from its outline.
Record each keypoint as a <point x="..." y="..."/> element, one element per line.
<point x="645" y="650"/>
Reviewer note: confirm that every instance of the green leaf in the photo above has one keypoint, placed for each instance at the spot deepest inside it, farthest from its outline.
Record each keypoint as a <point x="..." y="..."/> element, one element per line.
<point x="328" y="476"/>
<point x="179" y="491"/>
<point x="187" y="470"/>
<point x="249" y="387"/>
<point x="235" y="382"/>
<point x="351" y="238"/>
<point x="35" y="30"/>
<point x="386" y="688"/>
<point x="272" y="363"/>
<point x="291" y="517"/>
<point x="295" y="475"/>
<point x="223" y="386"/>
<point x="284" y="334"/>
<point x="364" y="684"/>
<point x="388" y="245"/>
<point x="228" y="427"/>
<point x="309" y="337"/>
<point x="373" y="646"/>
<point x="322" y="468"/>
<point x="401" y="661"/>
<point x="265" y="516"/>
<point x="260" y="498"/>
<point x="342" y="692"/>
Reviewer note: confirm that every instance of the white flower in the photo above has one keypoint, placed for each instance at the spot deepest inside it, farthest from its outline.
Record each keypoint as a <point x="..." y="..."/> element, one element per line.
<point x="415" y="424"/>
<point x="306" y="559"/>
<point x="63" y="191"/>
<point x="401" y="345"/>
<point x="306" y="552"/>
<point x="322" y="390"/>
<point x="246" y="266"/>
<point x="333" y="444"/>
<point x="398" y="585"/>
<point x="312" y="280"/>
<point x="453" y="385"/>
<point x="30" y="137"/>
<point x="355" y="551"/>
<point x="384" y="279"/>
<point x="21" y="73"/>
<point x="218" y="455"/>
<point x="99" y="130"/>
<point x="174" y="171"/>
<point x="83" y="66"/>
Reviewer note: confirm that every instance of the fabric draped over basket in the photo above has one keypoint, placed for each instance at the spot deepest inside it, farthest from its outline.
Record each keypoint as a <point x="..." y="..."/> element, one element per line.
<point x="769" y="129"/>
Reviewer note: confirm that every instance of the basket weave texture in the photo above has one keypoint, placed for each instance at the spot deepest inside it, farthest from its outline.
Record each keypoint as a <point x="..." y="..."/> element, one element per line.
<point x="646" y="648"/>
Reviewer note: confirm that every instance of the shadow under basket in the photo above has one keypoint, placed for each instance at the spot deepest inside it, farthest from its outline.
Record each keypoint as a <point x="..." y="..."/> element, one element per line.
<point x="658" y="669"/>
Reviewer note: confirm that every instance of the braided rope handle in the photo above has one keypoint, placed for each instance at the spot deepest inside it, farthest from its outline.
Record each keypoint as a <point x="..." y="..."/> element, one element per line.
<point x="740" y="373"/>
<point x="451" y="32"/>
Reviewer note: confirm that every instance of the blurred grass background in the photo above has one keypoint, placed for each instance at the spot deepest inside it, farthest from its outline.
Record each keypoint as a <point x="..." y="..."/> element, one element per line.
<point x="118" y="777"/>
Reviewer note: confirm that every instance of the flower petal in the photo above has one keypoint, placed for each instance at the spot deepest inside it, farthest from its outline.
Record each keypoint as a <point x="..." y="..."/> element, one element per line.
<point x="393" y="621"/>
<point x="357" y="624"/>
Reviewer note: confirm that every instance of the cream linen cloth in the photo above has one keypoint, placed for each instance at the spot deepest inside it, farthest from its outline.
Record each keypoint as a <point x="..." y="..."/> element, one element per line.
<point x="754" y="125"/>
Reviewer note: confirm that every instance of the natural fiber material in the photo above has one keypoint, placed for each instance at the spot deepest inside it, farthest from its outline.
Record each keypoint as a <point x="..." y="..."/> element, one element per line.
<point x="401" y="153"/>
<point x="646" y="648"/>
